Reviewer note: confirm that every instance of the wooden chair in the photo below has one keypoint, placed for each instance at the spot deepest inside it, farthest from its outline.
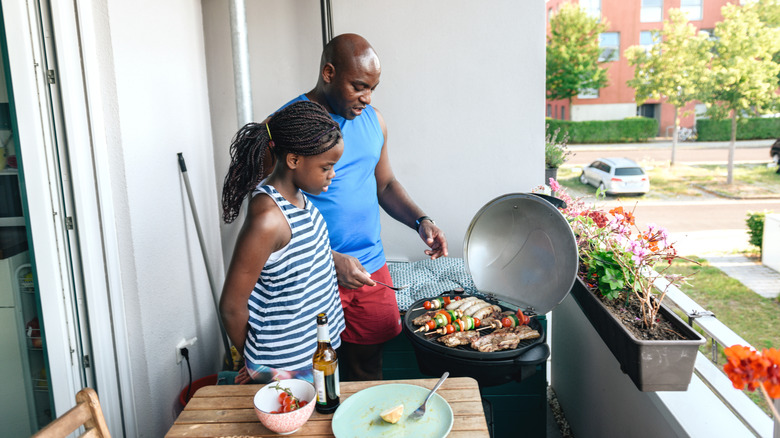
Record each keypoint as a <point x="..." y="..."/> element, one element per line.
<point x="86" y="413"/>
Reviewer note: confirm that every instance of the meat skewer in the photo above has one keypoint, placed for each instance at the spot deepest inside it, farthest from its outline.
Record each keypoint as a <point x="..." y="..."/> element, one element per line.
<point x="437" y="303"/>
<point x="440" y="319"/>
<point x="463" y="324"/>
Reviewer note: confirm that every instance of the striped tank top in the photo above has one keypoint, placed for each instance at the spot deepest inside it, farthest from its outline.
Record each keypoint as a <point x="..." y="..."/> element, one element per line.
<point x="296" y="283"/>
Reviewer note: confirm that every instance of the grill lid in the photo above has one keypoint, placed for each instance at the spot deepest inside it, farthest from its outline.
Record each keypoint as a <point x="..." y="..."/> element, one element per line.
<point x="521" y="249"/>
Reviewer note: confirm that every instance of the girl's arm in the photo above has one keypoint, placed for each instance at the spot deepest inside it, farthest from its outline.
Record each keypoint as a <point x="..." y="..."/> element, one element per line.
<point x="265" y="230"/>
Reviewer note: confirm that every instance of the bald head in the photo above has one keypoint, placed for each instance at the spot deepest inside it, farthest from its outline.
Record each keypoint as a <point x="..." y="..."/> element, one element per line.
<point x="349" y="50"/>
<point x="349" y="73"/>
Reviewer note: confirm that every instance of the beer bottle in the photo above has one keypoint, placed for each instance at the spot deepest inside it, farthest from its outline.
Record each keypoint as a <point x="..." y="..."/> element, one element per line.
<point x="325" y="366"/>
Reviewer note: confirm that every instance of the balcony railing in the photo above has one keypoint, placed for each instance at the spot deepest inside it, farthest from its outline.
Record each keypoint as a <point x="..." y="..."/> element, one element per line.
<point x="599" y="400"/>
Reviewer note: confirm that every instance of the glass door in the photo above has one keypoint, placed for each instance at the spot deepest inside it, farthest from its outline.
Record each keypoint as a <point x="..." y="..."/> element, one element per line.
<point x="40" y="281"/>
<point x="25" y="400"/>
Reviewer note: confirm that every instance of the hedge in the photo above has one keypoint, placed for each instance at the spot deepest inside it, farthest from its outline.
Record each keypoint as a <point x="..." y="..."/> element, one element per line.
<point x="629" y="130"/>
<point x="747" y="129"/>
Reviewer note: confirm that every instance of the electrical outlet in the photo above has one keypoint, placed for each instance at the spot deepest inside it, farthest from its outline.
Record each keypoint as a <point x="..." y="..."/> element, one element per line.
<point x="184" y="343"/>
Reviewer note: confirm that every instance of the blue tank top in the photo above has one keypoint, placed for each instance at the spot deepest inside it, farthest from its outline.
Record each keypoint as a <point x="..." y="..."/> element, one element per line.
<point x="350" y="206"/>
<point x="292" y="289"/>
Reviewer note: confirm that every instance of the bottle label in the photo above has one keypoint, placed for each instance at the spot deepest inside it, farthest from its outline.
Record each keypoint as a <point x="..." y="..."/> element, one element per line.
<point x="322" y="333"/>
<point x="319" y="386"/>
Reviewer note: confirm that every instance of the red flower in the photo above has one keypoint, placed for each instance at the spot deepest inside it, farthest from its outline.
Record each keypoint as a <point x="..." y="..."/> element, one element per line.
<point x="745" y="367"/>
<point x="772" y="380"/>
<point x="628" y="217"/>
<point x="598" y="217"/>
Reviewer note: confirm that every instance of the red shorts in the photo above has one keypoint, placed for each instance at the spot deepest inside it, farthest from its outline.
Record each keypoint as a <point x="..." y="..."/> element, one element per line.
<point x="371" y="312"/>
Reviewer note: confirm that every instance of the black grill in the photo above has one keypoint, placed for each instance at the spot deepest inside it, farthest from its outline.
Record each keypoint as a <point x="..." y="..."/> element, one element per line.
<point x="488" y="368"/>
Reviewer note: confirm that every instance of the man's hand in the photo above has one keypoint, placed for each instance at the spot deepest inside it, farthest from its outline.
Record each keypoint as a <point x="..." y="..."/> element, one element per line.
<point x="350" y="273"/>
<point x="434" y="237"/>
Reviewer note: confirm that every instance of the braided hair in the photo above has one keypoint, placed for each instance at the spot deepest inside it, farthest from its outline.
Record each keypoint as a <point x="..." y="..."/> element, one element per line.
<point x="303" y="128"/>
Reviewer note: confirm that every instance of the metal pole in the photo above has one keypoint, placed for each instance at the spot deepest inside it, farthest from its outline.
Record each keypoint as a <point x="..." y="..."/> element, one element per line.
<point x="183" y="168"/>
<point x="327" y="21"/>
<point x="239" y="41"/>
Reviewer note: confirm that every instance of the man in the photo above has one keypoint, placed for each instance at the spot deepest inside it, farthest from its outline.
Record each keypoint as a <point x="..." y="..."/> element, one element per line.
<point x="364" y="181"/>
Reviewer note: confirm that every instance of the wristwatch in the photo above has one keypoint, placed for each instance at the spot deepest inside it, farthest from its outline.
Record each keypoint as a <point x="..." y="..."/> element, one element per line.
<point x="420" y="220"/>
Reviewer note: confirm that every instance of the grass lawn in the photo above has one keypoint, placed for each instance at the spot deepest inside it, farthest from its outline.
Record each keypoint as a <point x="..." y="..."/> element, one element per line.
<point x="688" y="181"/>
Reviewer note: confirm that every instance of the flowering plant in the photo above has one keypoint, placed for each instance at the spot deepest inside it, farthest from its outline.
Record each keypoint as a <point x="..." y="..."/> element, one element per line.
<point x="618" y="259"/>
<point x="556" y="151"/>
<point x="748" y="367"/>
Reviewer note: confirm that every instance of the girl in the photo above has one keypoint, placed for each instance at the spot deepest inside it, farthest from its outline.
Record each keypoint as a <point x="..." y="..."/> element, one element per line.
<point x="282" y="273"/>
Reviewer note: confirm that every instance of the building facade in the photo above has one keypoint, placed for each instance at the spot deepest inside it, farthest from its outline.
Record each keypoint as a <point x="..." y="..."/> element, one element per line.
<point x="630" y="23"/>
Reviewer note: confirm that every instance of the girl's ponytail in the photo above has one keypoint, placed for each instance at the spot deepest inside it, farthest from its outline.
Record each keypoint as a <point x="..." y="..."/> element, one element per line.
<point x="247" y="151"/>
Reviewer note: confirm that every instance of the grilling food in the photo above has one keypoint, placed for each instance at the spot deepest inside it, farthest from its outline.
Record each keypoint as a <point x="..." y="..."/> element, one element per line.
<point x="517" y="319"/>
<point x="425" y="317"/>
<point x="458" y="303"/>
<point x="439" y="302"/>
<point x="473" y="309"/>
<point x="506" y="338"/>
<point x="440" y="319"/>
<point x="465" y="306"/>
<point x="459" y="338"/>
<point x="462" y="324"/>
<point x="486" y="312"/>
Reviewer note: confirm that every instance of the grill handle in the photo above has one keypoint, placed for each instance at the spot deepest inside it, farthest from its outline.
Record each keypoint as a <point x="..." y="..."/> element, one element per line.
<point x="535" y="356"/>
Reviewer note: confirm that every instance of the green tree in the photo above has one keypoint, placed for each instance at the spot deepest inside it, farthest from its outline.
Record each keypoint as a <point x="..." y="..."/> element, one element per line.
<point x="769" y="14"/>
<point x="573" y="53"/>
<point x="743" y="77"/>
<point x="673" y="68"/>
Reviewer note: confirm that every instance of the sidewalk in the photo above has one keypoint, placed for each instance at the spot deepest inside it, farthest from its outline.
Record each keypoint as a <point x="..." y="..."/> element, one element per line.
<point x="754" y="275"/>
<point x="710" y="245"/>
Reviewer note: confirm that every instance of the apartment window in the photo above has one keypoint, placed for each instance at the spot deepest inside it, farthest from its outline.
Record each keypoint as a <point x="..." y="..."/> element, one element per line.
<point x="549" y="110"/>
<point x="592" y="7"/>
<point x="588" y="93"/>
<point x="646" y="40"/>
<point x="652" y="11"/>
<point x="692" y="8"/>
<point x="563" y="113"/>
<point x="610" y="46"/>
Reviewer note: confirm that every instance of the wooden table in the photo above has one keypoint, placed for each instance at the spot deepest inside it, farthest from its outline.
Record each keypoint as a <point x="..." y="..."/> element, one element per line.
<point x="227" y="411"/>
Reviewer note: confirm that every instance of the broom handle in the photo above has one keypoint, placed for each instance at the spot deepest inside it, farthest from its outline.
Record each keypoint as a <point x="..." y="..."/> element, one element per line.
<point x="225" y="341"/>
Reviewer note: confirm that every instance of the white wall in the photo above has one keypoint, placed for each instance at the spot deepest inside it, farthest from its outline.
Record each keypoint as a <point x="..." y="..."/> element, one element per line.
<point x="462" y="92"/>
<point x="285" y="42"/>
<point x="606" y="111"/>
<point x="157" y="70"/>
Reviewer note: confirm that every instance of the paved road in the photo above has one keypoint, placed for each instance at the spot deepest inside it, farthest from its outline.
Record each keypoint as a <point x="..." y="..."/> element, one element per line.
<point x="700" y="227"/>
<point x="704" y="227"/>
<point x="754" y="151"/>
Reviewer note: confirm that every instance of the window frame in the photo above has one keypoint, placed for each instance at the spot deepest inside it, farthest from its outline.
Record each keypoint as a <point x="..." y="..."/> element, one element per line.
<point x="616" y="52"/>
<point x="651" y="13"/>
<point x="687" y="9"/>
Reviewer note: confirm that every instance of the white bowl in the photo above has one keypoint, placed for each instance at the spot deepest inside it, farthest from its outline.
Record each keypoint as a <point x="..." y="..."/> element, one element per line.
<point x="267" y="400"/>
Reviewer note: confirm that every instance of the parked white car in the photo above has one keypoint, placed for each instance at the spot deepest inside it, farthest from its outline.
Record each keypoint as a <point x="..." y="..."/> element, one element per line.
<point x="616" y="175"/>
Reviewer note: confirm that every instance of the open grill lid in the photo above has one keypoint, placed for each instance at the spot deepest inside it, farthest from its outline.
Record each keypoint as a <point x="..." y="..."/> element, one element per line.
<point x="521" y="249"/>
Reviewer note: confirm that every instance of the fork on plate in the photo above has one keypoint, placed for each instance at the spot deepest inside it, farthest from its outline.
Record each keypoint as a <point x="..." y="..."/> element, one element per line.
<point x="419" y="412"/>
